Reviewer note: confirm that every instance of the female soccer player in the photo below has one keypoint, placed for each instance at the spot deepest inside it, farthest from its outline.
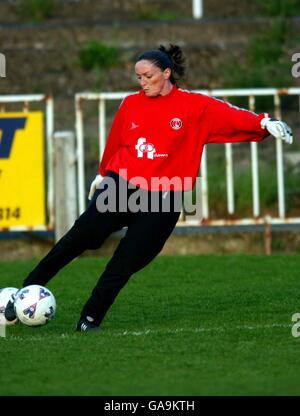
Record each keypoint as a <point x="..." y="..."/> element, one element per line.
<point x="153" y="150"/>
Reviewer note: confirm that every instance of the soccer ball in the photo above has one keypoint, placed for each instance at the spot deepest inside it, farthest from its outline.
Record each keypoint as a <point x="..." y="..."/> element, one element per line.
<point x="35" y="305"/>
<point x="5" y="295"/>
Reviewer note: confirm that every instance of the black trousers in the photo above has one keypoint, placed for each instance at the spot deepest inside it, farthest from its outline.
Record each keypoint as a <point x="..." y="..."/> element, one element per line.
<point x="145" y="237"/>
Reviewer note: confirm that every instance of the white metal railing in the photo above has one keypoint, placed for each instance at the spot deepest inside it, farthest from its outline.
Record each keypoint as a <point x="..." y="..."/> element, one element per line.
<point x="49" y="124"/>
<point x="197" y="9"/>
<point x="2" y="65"/>
<point x="101" y="98"/>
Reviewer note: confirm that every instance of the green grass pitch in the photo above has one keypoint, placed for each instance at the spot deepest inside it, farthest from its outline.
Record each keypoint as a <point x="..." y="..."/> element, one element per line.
<point x="185" y="325"/>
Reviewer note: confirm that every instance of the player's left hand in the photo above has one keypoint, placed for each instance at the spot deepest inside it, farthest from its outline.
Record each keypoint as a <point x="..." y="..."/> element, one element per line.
<point x="94" y="185"/>
<point x="278" y="129"/>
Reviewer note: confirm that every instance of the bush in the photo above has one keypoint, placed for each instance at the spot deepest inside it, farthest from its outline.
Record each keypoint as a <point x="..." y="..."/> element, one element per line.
<point x="36" y="10"/>
<point x="96" y="55"/>
<point x="266" y="61"/>
<point x="282" y="8"/>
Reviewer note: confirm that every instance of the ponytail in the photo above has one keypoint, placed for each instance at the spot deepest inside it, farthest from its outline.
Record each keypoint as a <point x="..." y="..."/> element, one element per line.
<point x="175" y="54"/>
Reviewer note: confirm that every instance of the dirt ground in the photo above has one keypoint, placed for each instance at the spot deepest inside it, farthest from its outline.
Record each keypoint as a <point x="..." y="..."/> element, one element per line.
<point x="251" y="243"/>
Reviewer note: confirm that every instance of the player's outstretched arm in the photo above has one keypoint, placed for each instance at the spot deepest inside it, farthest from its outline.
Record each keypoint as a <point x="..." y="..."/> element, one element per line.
<point x="278" y="129"/>
<point x="230" y="124"/>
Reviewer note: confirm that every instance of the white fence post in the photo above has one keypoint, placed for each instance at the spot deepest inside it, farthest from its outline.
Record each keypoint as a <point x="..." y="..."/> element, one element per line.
<point x="254" y="168"/>
<point x="2" y="66"/>
<point x="229" y="178"/>
<point x="80" y="155"/>
<point x="280" y="164"/>
<point x="204" y="185"/>
<point x="65" y="182"/>
<point x="50" y="156"/>
<point x="197" y="9"/>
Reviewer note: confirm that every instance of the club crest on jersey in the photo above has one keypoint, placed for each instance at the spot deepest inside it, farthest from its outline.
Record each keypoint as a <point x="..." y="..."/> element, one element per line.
<point x="176" y="123"/>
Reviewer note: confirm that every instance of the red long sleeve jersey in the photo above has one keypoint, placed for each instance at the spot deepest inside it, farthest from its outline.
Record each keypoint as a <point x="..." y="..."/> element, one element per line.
<point x="164" y="136"/>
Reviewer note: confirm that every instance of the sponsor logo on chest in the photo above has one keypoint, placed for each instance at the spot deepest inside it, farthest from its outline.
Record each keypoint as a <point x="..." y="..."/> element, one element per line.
<point x="147" y="149"/>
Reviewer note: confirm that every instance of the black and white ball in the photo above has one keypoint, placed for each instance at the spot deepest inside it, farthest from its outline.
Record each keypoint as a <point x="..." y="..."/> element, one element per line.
<point x="5" y="295"/>
<point x="35" y="305"/>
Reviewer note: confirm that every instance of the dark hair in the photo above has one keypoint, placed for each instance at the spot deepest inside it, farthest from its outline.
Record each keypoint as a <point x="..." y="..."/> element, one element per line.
<point x="163" y="58"/>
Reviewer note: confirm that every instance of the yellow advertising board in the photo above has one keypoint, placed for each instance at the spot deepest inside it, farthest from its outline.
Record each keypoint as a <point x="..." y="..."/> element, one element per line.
<point x="22" y="172"/>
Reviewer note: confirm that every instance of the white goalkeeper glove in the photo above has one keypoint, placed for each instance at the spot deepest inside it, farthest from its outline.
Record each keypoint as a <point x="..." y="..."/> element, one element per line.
<point x="278" y="129"/>
<point x="94" y="185"/>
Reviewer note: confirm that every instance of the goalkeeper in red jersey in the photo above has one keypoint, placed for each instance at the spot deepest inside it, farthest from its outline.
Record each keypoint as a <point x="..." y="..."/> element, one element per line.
<point x="154" y="151"/>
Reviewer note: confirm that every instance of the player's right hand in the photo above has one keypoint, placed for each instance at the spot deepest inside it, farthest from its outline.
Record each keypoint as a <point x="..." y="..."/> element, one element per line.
<point x="94" y="185"/>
